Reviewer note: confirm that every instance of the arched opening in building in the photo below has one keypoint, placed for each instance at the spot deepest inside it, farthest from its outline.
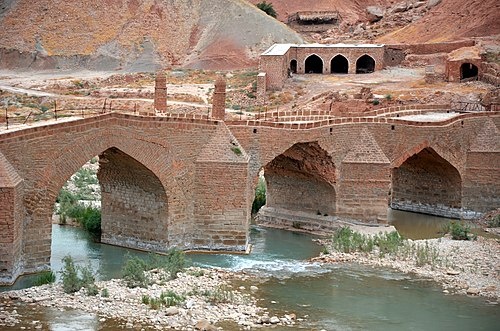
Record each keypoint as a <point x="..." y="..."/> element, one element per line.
<point x="314" y="65"/>
<point x="468" y="71"/>
<point x="365" y="64"/>
<point x="339" y="65"/>
<point x="427" y="183"/>
<point x="293" y="66"/>
<point x="301" y="179"/>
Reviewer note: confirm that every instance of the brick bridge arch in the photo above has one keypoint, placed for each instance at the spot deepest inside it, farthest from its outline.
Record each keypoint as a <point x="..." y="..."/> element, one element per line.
<point x="41" y="159"/>
<point x="425" y="181"/>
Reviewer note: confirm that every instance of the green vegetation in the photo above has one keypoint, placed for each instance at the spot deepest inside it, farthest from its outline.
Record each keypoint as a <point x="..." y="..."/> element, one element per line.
<point x="69" y="202"/>
<point x="260" y="196"/>
<point x="105" y="293"/>
<point x="46" y="277"/>
<point x="221" y="294"/>
<point x="236" y="150"/>
<point x="348" y="241"/>
<point x="375" y="102"/>
<point x="133" y="270"/>
<point x="75" y="277"/>
<point x="494" y="222"/>
<point x="267" y="8"/>
<point x="167" y="299"/>
<point x="458" y="230"/>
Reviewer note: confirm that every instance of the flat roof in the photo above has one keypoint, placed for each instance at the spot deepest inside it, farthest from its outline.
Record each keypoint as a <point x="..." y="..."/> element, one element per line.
<point x="281" y="49"/>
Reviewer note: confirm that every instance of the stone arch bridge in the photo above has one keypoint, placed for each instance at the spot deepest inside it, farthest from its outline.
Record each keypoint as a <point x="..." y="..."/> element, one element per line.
<point x="189" y="182"/>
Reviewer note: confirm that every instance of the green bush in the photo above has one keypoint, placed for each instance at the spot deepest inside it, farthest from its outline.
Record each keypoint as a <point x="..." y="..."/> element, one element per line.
<point x="88" y="217"/>
<point x="105" y="293"/>
<point x="267" y="8"/>
<point x="494" y="222"/>
<point x="388" y="243"/>
<point x="133" y="272"/>
<point x="73" y="282"/>
<point x="69" y="275"/>
<point x="459" y="231"/>
<point x="260" y="195"/>
<point x="426" y="255"/>
<point x="170" y="298"/>
<point x="347" y="241"/>
<point x="46" y="277"/>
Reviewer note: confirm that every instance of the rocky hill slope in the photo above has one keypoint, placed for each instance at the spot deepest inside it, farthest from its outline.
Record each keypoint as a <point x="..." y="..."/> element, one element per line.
<point x="135" y="35"/>
<point x="451" y="20"/>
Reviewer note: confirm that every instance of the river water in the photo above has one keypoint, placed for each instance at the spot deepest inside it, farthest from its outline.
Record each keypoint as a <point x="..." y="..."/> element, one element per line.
<point x="338" y="297"/>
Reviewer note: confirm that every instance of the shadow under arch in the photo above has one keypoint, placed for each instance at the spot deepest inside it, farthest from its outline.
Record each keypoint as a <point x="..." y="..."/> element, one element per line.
<point x="365" y="64"/>
<point x="339" y="64"/>
<point x="425" y="182"/>
<point x="303" y="179"/>
<point x="313" y="64"/>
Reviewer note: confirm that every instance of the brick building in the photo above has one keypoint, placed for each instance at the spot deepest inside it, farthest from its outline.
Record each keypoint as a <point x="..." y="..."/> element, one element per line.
<point x="281" y="60"/>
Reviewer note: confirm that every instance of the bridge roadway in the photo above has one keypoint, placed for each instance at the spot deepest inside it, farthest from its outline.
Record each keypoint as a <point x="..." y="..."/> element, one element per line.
<point x="189" y="182"/>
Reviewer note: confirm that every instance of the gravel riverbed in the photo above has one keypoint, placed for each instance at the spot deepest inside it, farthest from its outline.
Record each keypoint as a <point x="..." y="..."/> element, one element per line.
<point x="209" y="298"/>
<point x="462" y="267"/>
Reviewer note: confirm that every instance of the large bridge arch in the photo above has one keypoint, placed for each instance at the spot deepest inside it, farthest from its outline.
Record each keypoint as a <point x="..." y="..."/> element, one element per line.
<point x="426" y="182"/>
<point x="302" y="178"/>
<point x="137" y="175"/>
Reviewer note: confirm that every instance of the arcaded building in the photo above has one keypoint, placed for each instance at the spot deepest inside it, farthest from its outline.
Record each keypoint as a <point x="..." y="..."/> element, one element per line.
<point x="281" y="60"/>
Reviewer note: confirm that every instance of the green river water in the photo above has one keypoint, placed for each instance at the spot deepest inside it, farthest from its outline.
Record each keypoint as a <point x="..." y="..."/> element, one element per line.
<point x="338" y="297"/>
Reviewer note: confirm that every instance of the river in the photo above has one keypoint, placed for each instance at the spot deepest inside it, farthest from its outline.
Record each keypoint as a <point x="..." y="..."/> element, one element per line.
<point x="338" y="297"/>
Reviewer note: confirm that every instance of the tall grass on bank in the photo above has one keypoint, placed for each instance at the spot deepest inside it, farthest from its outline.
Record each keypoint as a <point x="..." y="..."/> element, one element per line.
<point x="134" y="268"/>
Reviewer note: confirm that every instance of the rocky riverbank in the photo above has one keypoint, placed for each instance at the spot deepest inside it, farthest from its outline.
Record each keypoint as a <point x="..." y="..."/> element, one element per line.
<point x="205" y="297"/>
<point x="462" y="267"/>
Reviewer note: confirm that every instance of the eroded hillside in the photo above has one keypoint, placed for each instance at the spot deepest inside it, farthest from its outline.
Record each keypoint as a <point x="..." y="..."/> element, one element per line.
<point x="135" y="35"/>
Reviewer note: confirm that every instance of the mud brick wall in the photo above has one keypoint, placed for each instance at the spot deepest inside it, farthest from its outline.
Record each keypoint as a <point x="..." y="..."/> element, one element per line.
<point x="453" y="73"/>
<point x="432" y="48"/>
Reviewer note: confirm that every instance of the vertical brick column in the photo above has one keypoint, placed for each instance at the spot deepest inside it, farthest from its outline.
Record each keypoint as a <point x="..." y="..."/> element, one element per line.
<point x="160" y="93"/>
<point x="261" y="88"/>
<point x="219" y="99"/>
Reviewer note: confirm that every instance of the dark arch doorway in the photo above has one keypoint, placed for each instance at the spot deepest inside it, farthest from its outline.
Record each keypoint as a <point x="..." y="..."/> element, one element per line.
<point x="468" y="71"/>
<point x="339" y="65"/>
<point x="293" y="66"/>
<point x="365" y="65"/>
<point x="314" y="65"/>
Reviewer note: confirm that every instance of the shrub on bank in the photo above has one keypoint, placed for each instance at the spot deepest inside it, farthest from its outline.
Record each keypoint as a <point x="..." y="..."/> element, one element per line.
<point x="46" y="277"/>
<point x="134" y="268"/>
<point x="75" y="277"/>
<point x="458" y="231"/>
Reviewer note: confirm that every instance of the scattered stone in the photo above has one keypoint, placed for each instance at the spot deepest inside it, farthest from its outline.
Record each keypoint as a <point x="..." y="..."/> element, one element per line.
<point x="375" y="13"/>
<point x="274" y="320"/>
<point x="254" y="288"/>
<point x="204" y="325"/>
<point x="473" y="291"/>
<point x="171" y="311"/>
<point x="452" y="272"/>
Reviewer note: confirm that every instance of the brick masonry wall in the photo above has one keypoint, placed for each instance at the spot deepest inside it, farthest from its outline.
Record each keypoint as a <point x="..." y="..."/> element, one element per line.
<point x="352" y="54"/>
<point x="45" y="157"/>
<point x="134" y="204"/>
<point x="452" y="71"/>
<point x="209" y="186"/>
<point x="276" y="69"/>
<point x="433" y="48"/>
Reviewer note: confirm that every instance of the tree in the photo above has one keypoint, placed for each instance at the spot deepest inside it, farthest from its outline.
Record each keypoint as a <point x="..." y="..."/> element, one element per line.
<point x="267" y="8"/>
